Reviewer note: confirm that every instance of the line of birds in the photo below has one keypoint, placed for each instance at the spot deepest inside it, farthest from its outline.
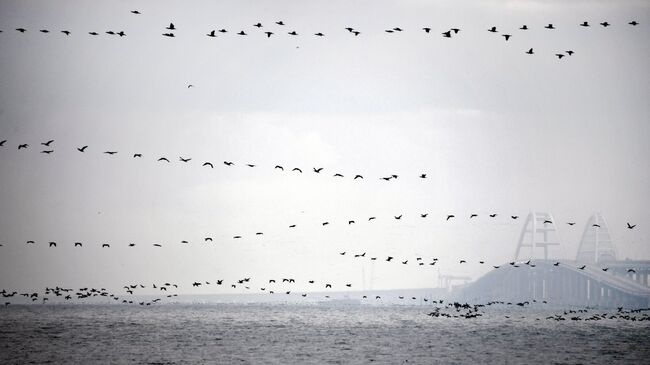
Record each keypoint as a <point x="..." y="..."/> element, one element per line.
<point x="327" y="223"/>
<point x="207" y="164"/>
<point x="171" y="28"/>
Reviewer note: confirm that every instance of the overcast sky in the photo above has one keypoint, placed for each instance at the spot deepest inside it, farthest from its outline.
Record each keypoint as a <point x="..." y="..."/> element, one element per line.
<point x="496" y="131"/>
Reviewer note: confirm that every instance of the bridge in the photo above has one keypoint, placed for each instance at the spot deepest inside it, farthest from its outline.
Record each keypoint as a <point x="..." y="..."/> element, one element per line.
<point x="595" y="278"/>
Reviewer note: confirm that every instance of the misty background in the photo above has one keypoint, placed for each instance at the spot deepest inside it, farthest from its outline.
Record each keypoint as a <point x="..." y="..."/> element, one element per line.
<point x="495" y="130"/>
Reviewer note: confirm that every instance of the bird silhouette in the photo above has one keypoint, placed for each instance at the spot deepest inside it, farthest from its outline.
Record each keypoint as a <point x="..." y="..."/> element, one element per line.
<point x="455" y="30"/>
<point x="297" y="169"/>
<point x="556" y="264"/>
<point x="208" y="164"/>
<point x="570" y="52"/>
<point x="93" y="33"/>
<point x="48" y="143"/>
<point x="493" y="30"/>
<point x="633" y="23"/>
<point x="237" y="237"/>
<point x="462" y="261"/>
<point x="106" y="245"/>
<point x="163" y="159"/>
<point x="605" y="24"/>
<point x="405" y="262"/>
<point x="185" y="159"/>
<point x="66" y="32"/>
<point x="446" y="34"/>
<point x="292" y="226"/>
<point x="242" y="33"/>
<point x="389" y="258"/>
<point x="550" y="26"/>
<point x="350" y="222"/>
<point x="30" y="241"/>
<point x="78" y="244"/>
<point x="571" y="223"/>
<point x="110" y="32"/>
<point x="268" y="34"/>
<point x="559" y="55"/>
<point x="279" y="167"/>
<point x="52" y="244"/>
<point x="423" y="176"/>
<point x="228" y="163"/>
<point x="24" y="145"/>
<point x="250" y="165"/>
<point x="110" y="152"/>
<point x="631" y="270"/>
<point x="171" y="26"/>
<point x="356" y="33"/>
<point x="135" y="12"/>
<point x="584" y="24"/>
<point x="47" y="152"/>
<point x="506" y="36"/>
<point x="21" y="30"/>
<point x="357" y="177"/>
<point x="259" y="25"/>
<point x="137" y="155"/>
<point x="44" y="31"/>
<point x="398" y="217"/>
<point x="371" y="218"/>
<point x="530" y="51"/>
<point x="2" y="143"/>
<point x="338" y="175"/>
<point x="514" y="216"/>
<point x="279" y="22"/>
<point x="524" y="27"/>
<point x="326" y="223"/>
<point x="547" y="221"/>
<point x="82" y="149"/>
<point x="493" y="215"/>
<point x="427" y="30"/>
<point x="450" y="216"/>
<point x="424" y="215"/>
<point x="131" y="244"/>
<point x="595" y="225"/>
<point x="171" y="35"/>
<point x="293" y="32"/>
<point x="212" y="34"/>
<point x="630" y="226"/>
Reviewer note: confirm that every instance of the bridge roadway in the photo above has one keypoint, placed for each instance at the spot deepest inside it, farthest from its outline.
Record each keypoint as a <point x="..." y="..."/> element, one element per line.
<point x="564" y="284"/>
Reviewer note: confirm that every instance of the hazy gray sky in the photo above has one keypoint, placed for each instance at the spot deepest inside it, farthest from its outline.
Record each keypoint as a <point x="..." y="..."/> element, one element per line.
<point x="495" y="130"/>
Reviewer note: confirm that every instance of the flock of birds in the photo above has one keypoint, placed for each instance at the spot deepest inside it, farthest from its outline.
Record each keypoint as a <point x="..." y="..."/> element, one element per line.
<point x="279" y="27"/>
<point x="440" y="309"/>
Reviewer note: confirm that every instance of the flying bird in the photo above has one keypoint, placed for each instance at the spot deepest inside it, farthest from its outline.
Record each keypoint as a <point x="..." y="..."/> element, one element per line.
<point x="571" y="223"/>
<point x="424" y="215"/>
<point x="184" y="159"/>
<point x="268" y="34"/>
<point x="47" y="152"/>
<point x="524" y="27"/>
<point x="78" y="244"/>
<point x="398" y="216"/>
<point x="550" y="26"/>
<point x="106" y="245"/>
<point x="163" y="159"/>
<point x="22" y="30"/>
<point x="24" y="145"/>
<point x="326" y="223"/>
<point x="297" y="169"/>
<point x="427" y="30"/>
<point x="2" y="143"/>
<point x="547" y="221"/>
<point x="259" y="25"/>
<point x="633" y="23"/>
<point x="242" y="33"/>
<point x="570" y="52"/>
<point x="171" y="35"/>
<point x="95" y="33"/>
<point x="52" y="244"/>
<point x="293" y="32"/>
<point x="506" y="36"/>
<point x="559" y="55"/>
<point x="584" y="24"/>
<point x="279" y="167"/>
<point x="371" y="218"/>
<point x="66" y="32"/>
<point x="110" y="152"/>
<point x="630" y="226"/>
<point x="137" y="155"/>
<point x="423" y="176"/>
<point x="171" y="26"/>
<point x="446" y="34"/>
<point x="493" y="30"/>
<point x="514" y="216"/>
<point x="212" y="34"/>
<point x="279" y="22"/>
<point x="450" y="216"/>
<point x="228" y="163"/>
<point x="82" y="149"/>
<point x="208" y="164"/>
<point x="605" y="24"/>
<point x="135" y="12"/>
<point x="530" y="51"/>
<point x="357" y="177"/>
<point x="338" y="175"/>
